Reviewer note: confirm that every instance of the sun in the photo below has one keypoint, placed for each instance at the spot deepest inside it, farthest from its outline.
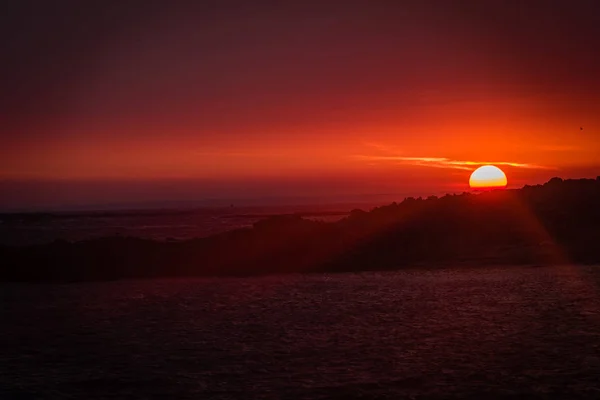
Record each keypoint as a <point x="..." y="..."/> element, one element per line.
<point x="488" y="177"/>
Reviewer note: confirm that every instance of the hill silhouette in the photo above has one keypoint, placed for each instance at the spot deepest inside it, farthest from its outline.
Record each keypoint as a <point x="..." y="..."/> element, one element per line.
<point x="554" y="223"/>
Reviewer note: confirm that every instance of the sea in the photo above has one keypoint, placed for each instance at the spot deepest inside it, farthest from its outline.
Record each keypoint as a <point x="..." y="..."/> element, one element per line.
<point x="501" y="332"/>
<point x="22" y="229"/>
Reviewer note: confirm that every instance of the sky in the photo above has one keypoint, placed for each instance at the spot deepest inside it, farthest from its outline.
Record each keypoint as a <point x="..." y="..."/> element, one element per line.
<point x="116" y="102"/>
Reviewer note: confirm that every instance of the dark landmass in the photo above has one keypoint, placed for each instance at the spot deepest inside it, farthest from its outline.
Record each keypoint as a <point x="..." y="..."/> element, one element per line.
<point x="554" y="223"/>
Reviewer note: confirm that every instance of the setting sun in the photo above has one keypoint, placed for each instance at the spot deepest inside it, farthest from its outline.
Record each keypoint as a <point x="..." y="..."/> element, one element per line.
<point x="488" y="177"/>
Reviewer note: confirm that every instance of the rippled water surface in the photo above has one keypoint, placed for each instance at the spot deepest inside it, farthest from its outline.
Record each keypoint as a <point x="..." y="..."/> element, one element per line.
<point x="156" y="225"/>
<point x="485" y="333"/>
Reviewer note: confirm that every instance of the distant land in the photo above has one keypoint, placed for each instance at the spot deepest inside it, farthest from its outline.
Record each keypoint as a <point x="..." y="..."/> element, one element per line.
<point x="554" y="223"/>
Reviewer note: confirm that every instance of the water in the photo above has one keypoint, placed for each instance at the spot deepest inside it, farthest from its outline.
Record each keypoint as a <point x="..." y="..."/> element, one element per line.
<point x="446" y="333"/>
<point x="149" y="224"/>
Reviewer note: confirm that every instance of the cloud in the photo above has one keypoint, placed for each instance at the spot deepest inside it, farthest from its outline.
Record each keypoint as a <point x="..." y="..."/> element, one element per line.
<point x="443" y="162"/>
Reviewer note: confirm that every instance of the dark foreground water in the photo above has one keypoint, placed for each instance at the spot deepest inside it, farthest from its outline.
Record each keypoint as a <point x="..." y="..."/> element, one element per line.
<point x="487" y="333"/>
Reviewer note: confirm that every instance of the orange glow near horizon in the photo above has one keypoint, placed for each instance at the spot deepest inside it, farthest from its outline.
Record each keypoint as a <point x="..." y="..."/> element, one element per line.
<point x="448" y="141"/>
<point x="488" y="177"/>
<point x="435" y="153"/>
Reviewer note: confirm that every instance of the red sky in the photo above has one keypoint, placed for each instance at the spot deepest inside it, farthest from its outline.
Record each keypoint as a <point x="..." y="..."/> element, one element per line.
<point x="111" y="103"/>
